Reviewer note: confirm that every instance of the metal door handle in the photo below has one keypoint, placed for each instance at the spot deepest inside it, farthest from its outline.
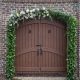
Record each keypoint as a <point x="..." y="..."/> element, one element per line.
<point x="41" y="52"/>
<point x="39" y="49"/>
<point x="37" y="52"/>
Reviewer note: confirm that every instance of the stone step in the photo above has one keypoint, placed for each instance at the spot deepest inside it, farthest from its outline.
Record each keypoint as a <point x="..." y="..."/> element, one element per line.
<point x="39" y="78"/>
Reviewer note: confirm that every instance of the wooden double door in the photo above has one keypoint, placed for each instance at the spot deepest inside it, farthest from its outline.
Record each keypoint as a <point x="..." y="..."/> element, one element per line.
<point x="40" y="47"/>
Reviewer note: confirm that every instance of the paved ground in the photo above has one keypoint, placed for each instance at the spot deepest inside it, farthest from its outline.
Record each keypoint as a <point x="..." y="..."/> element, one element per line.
<point x="39" y="78"/>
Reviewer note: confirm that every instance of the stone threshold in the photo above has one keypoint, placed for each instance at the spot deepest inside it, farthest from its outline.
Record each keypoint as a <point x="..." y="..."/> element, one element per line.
<point x="39" y="78"/>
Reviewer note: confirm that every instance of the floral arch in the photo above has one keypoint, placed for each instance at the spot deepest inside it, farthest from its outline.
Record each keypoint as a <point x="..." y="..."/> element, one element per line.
<point x="34" y="14"/>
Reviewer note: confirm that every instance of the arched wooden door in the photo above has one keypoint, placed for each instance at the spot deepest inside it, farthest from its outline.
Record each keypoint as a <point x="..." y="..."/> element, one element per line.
<point x="40" y="47"/>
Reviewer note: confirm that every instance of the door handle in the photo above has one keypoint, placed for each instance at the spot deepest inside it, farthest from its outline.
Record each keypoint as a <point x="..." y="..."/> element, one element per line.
<point x="41" y="52"/>
<point x="37" y="52"/>
<point x="39" y="49"/>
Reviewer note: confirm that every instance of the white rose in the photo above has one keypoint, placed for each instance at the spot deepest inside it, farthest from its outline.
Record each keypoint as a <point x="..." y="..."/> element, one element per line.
<point x="47" y="14"/>
<point x="43" y="8"/>
<point x="33" y="10"/>
<point x="31" y="16"/>
<point x="17" y="14"/>
<point x="22" y="12"/>
<point x="11" y="15"/>
<point x="44" y="16"/>
<point x="10" y="24"/>
<point x="26" y="17"/>
<point x="27" y="10"/>
<point x="37" y="9"/>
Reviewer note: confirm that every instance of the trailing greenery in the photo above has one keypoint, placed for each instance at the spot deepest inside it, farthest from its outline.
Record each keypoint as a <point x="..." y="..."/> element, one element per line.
<point x="34" y="14"/>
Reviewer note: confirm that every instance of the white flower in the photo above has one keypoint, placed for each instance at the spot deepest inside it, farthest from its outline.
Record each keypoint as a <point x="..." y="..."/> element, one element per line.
<point x="27" y="10"/>
<point x="67" y="59"/>
<point x="33" y="10"/>
<point x="11" y="15"/>
<point x="46" y="11"/>
<point x="37" y="9"/>
<point x="47" y="14"/>
<point x="17" y="14"/>
<point x="31" y="16"/>
<point x="44" y="16"/>
<point x="22" y="12"/>
<point x="10" y="24"/>
<point x="43" y="8"/>
<point x="26" y="17"/>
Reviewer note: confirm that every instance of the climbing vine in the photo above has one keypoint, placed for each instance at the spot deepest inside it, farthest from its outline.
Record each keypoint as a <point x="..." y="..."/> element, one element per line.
<point x="36" y="14"/>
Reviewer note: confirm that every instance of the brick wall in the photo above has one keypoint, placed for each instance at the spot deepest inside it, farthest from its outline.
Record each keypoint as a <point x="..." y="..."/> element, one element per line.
<point x="40" y="1"/>
<point x="7" y="7"/>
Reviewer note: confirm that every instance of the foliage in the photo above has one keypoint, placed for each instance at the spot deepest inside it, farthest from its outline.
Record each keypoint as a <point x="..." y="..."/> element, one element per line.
<point x="69" y="20"/>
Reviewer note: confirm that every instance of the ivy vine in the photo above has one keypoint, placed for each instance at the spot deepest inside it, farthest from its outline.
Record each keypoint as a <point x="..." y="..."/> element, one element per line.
<point x="36" y="14"/>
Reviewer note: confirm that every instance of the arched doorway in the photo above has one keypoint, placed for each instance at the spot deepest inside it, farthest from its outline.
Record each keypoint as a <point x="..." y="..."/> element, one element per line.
<point x="41" y="48"/>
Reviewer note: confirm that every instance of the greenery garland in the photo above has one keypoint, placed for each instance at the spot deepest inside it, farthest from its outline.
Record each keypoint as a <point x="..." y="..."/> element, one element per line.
<point x="69" y="20"/>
